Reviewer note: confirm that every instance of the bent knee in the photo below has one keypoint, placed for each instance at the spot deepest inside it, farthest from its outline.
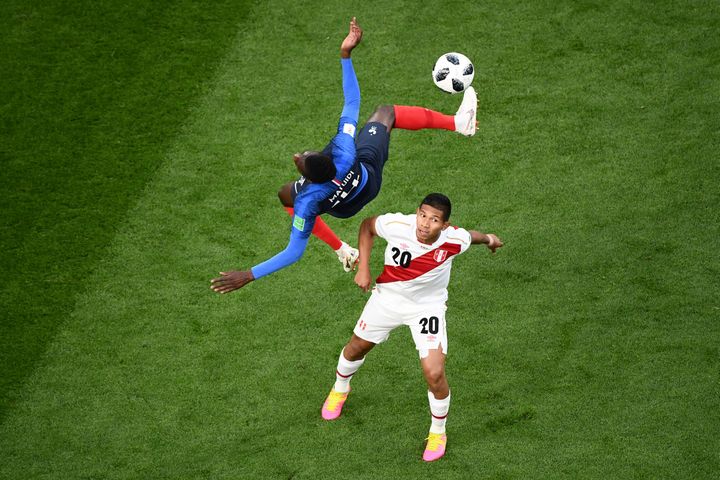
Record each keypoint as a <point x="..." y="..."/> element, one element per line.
<point x="357" y="348"/>
<point x="384" y="114"/>
<point x="435" y="375"/>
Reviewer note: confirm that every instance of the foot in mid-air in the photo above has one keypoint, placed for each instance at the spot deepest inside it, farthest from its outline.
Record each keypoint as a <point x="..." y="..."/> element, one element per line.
<point x="435" y="447"/>
<point x="332" y="408"/>
<point x="466" y="116"/>
<point x="348" y="256"/>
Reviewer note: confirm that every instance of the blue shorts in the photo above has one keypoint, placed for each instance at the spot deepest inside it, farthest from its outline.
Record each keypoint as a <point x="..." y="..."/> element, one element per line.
<point x="372" y="145"/>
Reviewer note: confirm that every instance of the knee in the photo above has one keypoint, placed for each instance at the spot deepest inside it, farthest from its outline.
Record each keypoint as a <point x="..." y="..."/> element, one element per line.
<point x="356" y="349"/>
<point x="435" y="376"/>
<point x="384" y="114"/>
<point x="353" y="352"/>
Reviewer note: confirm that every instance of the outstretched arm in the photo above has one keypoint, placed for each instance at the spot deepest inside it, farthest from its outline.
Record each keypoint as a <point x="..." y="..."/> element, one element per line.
<point x="351" y="88"/>
<point x="229" y="281"/>
<point x="490" y="239"/>
<point x="366" y="238"/>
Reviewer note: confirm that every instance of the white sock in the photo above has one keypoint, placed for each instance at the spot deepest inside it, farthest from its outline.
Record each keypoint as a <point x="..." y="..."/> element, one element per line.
<point x="438" y="411"/>
<point x="345" y="370"/>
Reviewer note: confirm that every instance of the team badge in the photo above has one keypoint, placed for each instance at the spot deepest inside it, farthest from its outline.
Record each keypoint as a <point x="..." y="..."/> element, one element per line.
<point x="440" y="255"/>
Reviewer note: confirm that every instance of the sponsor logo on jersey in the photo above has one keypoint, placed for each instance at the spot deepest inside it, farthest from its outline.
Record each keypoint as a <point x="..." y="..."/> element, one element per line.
<point x="299" y="223"/>
<point x="440" y="255"/>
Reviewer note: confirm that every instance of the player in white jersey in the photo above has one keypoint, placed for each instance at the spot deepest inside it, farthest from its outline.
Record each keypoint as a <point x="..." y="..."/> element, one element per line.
<point x="412" y="291"/>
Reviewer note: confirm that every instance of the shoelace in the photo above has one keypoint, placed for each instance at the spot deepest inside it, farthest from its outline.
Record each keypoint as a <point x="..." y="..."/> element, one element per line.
<point x="434" y="441"/>
<point x="334" y="399"/>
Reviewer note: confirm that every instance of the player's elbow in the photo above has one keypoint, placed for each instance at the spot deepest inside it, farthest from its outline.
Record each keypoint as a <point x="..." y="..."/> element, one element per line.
<point x="367" y="227"/>
<point x="295" y="255"/>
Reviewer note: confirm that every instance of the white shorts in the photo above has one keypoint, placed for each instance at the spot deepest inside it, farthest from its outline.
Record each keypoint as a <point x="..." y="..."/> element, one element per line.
<point x="384" y="313"/>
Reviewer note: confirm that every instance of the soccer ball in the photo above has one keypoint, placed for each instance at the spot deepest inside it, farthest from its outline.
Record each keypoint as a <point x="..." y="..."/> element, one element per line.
<point x="453" y="72"/>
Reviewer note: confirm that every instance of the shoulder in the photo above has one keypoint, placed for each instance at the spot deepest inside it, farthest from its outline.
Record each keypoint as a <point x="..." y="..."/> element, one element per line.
<point x="395" y="219"/>
<point x="459" y="236"/>
<point x="307" y="202"/>
<point x="343" y="150"/>
<point x="392" y="223"/>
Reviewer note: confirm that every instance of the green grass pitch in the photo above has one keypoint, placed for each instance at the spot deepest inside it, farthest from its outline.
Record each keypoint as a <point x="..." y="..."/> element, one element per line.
<point x="141" y="148"/>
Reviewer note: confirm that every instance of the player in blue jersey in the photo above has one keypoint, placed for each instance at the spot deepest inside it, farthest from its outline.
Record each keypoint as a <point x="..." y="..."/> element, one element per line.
<point x="347" y="174"/>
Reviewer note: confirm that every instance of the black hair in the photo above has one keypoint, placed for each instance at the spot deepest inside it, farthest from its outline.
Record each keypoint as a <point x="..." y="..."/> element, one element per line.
<point x="319" y="168"/>
<point x="439" y="201"/>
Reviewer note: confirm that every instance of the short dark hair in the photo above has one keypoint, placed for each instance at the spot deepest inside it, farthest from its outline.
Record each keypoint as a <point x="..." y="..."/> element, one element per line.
<point x="319" y="168"/>
<point x="439" y="201"/>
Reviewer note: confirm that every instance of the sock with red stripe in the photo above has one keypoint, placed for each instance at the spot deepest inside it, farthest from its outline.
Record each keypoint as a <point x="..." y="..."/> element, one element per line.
<point x="322" y="231"/>
<point x="417" y="118"/>
<point x="345" y="370"/>
<point x="438" y="411"/>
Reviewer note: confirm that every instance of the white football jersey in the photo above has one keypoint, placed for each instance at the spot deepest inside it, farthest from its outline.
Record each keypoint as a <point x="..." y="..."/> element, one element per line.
<point x="415" y="271"/>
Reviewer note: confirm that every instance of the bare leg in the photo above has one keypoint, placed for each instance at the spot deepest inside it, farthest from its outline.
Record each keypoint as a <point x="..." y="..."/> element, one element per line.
<point x="384" y="114"/>
<point x="357" y="348"/>
<point x="434" y="370"/>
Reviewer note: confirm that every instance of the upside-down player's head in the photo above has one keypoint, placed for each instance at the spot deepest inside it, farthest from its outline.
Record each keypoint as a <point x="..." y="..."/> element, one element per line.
<point x="315" y="166"/>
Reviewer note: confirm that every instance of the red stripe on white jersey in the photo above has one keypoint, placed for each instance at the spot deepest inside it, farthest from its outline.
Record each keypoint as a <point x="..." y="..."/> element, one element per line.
<point x="420" y="265"/>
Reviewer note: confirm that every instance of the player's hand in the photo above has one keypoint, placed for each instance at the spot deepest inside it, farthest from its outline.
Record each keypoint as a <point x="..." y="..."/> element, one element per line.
<point x="363" y="279"/>
<point x="352" y="40"/>
<point x="230" y="281"/>
<point x="494" y="242"/>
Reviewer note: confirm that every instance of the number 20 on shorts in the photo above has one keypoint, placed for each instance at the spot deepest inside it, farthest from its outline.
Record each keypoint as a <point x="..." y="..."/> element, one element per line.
<point x="430" y="325"/>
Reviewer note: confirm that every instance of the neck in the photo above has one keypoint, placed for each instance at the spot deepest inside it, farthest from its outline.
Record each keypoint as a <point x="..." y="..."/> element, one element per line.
<point x="429" y="241"/>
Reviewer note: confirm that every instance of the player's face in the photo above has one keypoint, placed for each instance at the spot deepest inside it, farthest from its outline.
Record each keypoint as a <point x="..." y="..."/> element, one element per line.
<point x="430" y="223"/>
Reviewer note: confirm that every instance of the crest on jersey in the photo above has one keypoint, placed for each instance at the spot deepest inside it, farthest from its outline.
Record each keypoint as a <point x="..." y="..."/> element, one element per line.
<point x="440" y="255"/>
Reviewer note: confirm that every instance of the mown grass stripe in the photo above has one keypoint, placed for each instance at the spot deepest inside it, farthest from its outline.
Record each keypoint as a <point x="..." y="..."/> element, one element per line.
<point x="92" y="95"/>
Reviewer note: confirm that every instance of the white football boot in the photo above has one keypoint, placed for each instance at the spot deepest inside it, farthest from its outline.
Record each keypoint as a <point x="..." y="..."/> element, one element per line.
<point x="348" y="256"/>
<point x="466" y="116"/>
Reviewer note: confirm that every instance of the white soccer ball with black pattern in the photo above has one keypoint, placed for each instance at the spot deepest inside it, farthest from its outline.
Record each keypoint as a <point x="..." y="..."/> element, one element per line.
<point x="453" y="72"/>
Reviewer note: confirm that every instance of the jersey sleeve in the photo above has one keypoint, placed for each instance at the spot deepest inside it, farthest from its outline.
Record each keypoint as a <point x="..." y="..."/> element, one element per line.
<point x="305" y="211"/>
<point x="303" y="222"/>
<point x="460" y="236"/>
<point x="292" y="253"/>
<point x="343" y="144"/>
<point x="386" y="225"/>
<point x="351" y="92"/>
